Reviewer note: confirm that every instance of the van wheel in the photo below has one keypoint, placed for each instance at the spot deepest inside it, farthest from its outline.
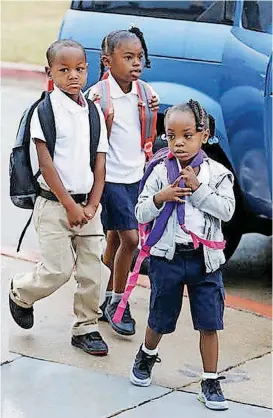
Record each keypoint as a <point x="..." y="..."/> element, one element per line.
<point x="232" y="233"/>
<point x="232" y="230"/>
<point x="145" y="265"/>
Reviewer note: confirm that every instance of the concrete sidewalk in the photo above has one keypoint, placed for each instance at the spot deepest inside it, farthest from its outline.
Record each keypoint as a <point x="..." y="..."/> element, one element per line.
<point x="100" y="385"/>
<point x="35" y="388"/>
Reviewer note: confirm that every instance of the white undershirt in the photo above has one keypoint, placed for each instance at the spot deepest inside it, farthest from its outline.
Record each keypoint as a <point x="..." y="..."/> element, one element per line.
<point x="72" y="148"/>
<point x="194" y="218"/>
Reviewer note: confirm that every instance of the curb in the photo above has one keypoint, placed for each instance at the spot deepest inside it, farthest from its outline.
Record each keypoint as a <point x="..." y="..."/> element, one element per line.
<point x="23" y="71"/>
<point x="234" y="302"/>
<point x="30" y="256"/>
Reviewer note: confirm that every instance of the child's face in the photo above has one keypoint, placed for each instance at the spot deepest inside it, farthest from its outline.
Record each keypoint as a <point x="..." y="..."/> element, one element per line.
<point x="68" y="70"/>
<point x="184" y="141"/>
<point x="126" y="61"/>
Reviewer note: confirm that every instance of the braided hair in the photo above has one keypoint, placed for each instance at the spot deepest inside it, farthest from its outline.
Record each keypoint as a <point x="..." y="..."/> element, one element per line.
<point x="112" y="40"/>
<point x="202" y="119"/>
<point x="57" y="45"/>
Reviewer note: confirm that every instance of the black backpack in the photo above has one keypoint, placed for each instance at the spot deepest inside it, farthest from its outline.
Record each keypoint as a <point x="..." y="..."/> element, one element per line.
<point x="24" y="187"/>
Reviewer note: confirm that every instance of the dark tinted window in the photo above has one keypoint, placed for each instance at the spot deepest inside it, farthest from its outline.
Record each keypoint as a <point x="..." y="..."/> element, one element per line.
<point x="201" y="11"/>
<point x="257" y="15"/>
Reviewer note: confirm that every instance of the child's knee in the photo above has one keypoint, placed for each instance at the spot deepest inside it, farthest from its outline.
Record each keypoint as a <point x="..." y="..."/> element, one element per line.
<point x="130" y="241"/>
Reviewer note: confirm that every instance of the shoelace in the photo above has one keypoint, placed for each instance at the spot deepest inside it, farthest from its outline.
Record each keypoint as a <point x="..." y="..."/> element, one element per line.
<point x="147" y="361"/>
<point x="214" y="385"/>
<point x="94" y="336"/>
<point x="127" y="314"/>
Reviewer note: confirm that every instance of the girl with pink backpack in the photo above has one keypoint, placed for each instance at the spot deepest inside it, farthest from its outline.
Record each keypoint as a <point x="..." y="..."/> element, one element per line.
<point x="130" y="109"/>
<point x="184" y="197"/>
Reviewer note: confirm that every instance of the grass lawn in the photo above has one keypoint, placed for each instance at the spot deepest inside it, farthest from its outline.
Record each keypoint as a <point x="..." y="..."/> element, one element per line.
<point x="28" y="28"/>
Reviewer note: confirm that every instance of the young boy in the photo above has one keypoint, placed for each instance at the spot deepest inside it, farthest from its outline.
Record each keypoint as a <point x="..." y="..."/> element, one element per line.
<point x="67" y="211"/>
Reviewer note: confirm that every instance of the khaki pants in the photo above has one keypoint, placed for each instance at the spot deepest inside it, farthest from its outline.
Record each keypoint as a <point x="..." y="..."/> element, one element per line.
<point x="62" y="248"/>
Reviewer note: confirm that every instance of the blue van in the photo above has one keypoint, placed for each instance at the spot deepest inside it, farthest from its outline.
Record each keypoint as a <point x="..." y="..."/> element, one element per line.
<point x="217" y="52"/>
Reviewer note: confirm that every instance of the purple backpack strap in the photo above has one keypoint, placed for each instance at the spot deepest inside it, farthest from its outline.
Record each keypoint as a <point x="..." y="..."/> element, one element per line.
<point x="157" y="158"/>
<point x="161" y="222"/>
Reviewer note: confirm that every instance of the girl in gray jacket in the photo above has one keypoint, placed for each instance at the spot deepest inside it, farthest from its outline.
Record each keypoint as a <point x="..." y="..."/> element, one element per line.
<point x="190" y="249"/>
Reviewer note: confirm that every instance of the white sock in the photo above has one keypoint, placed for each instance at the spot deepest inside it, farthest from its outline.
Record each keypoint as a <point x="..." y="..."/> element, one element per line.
<point x="108" y="294"/>
<point x="116" y="297"/>
<point x="150" y="352"/>
<point x="206" y="375"/>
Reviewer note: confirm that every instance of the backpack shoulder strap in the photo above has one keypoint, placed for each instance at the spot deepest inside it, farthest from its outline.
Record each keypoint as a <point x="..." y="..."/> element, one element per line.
<point x="148" y="117"/>
<point x="23" y="132"/>
<point x="157" y="158"/>
<point x="47" y="121"/>
<point x="103" y="89"/>
<point x="95" y="128"/>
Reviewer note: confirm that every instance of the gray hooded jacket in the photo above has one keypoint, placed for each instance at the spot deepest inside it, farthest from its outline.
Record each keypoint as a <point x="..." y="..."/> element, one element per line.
<point x="216" y="200"/>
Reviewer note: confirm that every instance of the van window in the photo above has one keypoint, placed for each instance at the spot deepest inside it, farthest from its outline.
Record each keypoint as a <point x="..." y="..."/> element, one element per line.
<point x="257" y="15"/>
<point x="201" y="11"/>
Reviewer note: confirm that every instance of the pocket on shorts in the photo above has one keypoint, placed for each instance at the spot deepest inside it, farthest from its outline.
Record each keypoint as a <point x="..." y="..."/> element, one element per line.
<point x="156" y="279"/>
<point x="223" y="293"/>
<point x="222" y="297"/>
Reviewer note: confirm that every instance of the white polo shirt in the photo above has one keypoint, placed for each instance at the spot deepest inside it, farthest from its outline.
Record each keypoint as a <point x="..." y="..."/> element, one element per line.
<point x="72" y="148"/>
<point x="125" y="159"/>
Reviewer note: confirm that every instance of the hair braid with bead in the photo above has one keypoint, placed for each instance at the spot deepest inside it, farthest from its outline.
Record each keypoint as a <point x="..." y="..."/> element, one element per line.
<point x="202" y="118"/>
<point x="140" y="36"/>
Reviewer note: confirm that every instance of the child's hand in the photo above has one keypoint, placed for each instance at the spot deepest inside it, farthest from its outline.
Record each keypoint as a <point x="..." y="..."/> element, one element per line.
<point x="90" y="211"/>
<point x="154" y="103"/>
<point x="96" y="97"/>
<point x="76" y="216"/>
<point x="172" y="193"/>
<point x="190" y="178"/>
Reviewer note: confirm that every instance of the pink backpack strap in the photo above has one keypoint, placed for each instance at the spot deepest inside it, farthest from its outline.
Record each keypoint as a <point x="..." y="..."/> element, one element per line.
<point x="103" y="89"/>
<point x="148" y="118"/>
<point x="215" y="245"/>
<point x="105" y="75"/>
<point x="131" y="283"/>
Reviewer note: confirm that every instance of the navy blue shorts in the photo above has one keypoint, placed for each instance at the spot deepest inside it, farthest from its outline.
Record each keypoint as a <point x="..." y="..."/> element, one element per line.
<point x="205" y="290"/>
<point x="118" y="206"/>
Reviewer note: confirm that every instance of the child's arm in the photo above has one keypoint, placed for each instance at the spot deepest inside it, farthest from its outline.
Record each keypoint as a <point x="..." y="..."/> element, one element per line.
<point x="154" y="195"/>
<point x="99" y="170"/>
<point x="218" y="202"/>
<point x="75" y="213"/>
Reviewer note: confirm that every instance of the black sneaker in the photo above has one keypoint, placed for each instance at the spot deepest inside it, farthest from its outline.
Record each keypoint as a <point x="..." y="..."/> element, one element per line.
<point x="142" y="369"/>
<point x="91" y="343"/>
<point x="127" y="324"/>
<point x="102" y="307"/>
<point x="211" y="394"/>
<point x="22" y="316"/>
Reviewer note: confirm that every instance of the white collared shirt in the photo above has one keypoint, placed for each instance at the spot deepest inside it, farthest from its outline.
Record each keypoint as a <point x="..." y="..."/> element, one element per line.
<point x="194" y="218"/>
<point x="125" y="159"/>
<point x="72" y="148"/>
